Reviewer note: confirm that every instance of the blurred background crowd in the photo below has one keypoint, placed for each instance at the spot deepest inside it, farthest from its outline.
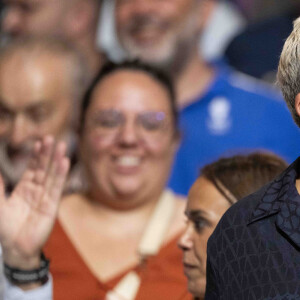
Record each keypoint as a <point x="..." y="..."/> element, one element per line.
<point x="248" y="35"/>
<point x="232" y="30"/>
<point x="221" y="58"/>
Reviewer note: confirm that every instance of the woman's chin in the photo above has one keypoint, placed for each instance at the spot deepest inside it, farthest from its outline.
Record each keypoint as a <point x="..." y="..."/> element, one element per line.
<point x="126" y="193"/>
<point x="127" y="189"/>
<point x="197" y="289"/>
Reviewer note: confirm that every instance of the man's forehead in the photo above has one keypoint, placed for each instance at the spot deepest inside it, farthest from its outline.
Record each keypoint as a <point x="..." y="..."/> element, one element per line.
<point x="36" y="97"/>
<point x="24" y="62"/>
<point x="32" y="83"/>
<point x="24" y="104"/>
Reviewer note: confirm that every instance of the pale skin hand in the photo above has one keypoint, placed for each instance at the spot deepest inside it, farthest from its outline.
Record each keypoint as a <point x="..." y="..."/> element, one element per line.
<point x="27" y="216"/>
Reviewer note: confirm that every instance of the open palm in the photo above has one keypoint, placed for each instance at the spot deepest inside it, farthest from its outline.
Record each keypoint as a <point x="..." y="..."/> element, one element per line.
<point x="27" y="216"/>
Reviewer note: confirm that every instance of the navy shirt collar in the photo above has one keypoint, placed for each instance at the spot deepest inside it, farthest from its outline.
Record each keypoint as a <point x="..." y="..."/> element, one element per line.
<point x="283" y="199"/>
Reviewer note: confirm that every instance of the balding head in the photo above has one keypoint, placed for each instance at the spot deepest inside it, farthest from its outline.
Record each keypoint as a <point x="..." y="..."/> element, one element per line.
<point x="41" y="82"/>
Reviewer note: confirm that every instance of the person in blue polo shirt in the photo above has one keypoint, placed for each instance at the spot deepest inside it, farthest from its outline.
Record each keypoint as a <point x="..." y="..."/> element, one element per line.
<point x="222" y="112"/>
<point x="235" y="115"/>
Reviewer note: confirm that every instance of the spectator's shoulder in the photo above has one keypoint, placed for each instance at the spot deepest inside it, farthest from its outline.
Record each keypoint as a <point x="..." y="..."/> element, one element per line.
<point x="253" y="87"/>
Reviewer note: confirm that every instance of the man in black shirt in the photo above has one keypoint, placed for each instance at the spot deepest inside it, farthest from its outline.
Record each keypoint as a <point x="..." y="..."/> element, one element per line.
<point x="254" y="253"/>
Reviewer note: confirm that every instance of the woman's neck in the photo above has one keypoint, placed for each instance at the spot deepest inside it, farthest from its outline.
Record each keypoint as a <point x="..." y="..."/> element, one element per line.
<point x="112" y="211"/>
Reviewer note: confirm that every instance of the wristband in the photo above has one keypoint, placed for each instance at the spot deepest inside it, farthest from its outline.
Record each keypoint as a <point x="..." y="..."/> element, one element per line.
<point x="17" y="276"/>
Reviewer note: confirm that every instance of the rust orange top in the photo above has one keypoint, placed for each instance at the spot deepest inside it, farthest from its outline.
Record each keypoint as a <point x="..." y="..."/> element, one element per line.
<point x="161" y="279"/>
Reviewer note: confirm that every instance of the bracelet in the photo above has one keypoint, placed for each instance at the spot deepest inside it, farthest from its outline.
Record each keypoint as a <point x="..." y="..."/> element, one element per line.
<point x="17" y="276"/>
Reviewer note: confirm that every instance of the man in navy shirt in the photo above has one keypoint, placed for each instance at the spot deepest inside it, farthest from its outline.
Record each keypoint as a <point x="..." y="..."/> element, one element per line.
<point x="254" y="251"/>
<point x="221" y="112"/>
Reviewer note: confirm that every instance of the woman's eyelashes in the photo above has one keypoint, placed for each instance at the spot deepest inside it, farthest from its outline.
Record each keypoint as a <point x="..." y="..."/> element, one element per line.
<point x="200" y="223"/>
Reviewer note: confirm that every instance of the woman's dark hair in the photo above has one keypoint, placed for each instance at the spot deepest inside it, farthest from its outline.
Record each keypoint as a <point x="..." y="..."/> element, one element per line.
<point x="238" y="176"/>
<point x="110" y="67"/>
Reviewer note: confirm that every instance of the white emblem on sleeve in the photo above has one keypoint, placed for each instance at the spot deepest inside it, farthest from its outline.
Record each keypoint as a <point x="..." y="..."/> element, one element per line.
<point x="219" y="119"/>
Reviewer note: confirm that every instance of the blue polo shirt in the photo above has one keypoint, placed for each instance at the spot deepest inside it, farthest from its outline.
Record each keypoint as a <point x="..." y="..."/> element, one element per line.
<point x="236" y="115"/>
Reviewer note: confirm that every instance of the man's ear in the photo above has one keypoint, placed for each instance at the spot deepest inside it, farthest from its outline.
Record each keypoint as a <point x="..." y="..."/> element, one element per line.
<point x="297" y="104"/>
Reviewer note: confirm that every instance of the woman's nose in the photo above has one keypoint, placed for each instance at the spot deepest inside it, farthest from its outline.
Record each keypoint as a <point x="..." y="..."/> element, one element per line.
<point x="185" y="241"/>
<point x="128" y="134"/>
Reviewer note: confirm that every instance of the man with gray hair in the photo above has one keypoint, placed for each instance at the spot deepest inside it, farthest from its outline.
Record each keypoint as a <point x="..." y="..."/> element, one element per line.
<point x="221" y="111"/>
<point x="254" y="253"/>
<point x="75" y="21"/>
<point x="41" y="83"/>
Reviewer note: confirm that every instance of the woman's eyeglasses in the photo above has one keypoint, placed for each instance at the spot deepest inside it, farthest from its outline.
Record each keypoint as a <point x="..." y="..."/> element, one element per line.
<point x="148" y="124"/>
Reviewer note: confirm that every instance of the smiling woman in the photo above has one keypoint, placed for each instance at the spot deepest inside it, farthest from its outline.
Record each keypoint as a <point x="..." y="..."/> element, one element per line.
<point x="128" y="139"/>
<point x="128" y="134"/>
<point x="118" y="239"/>
<point x="220" y="185"/>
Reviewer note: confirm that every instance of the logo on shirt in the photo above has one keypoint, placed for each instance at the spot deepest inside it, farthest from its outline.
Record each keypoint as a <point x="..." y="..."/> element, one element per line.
<point x="219" y="120"/>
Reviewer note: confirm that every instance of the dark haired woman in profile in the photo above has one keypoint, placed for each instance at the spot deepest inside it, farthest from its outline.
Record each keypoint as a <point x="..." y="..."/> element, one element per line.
<point x="220" y="185"/>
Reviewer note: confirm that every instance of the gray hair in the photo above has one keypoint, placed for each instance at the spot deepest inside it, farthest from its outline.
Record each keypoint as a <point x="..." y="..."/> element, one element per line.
<point x="75" y="66"/>
<point x="288" y="75"/>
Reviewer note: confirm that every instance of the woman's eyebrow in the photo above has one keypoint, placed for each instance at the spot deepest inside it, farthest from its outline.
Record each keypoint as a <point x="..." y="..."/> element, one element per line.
<point x="194" y="214"/>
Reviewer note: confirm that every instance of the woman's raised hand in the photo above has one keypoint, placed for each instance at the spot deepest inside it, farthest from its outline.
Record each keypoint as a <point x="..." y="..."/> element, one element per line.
<point x="27" y="216"/>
